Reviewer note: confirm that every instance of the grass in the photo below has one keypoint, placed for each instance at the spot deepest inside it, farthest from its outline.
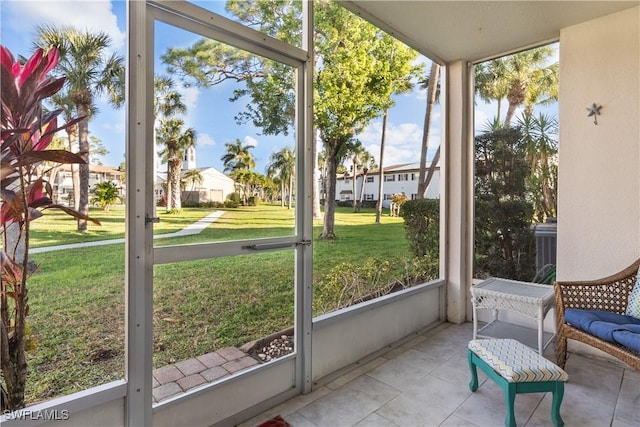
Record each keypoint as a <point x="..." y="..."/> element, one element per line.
<point x="77" y="296"/>
<point x="58" y="228"/>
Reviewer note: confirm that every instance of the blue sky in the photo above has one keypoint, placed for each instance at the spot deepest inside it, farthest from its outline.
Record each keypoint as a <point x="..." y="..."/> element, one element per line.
<point x="209" y="111"/>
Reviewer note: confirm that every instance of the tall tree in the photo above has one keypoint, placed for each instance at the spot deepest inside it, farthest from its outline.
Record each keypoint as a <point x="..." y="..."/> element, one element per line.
<point x="356" y="151"/>
<point x="175" y="141"/>
<point x="62" y="100"/>
<point x="238" y="156"/>
<point x="167" y="103"/>
<point x="282" y="164"/>
<point x="348" y="85"/>
<point x="424" y="176"/>
<point x="368" y="163"/>
<point x="503" y="236"/>
<point x="192" y="177"/>
<point x="397" y="71"/>
<point x="96" y="150"/>
<point x="540" y="137"/>
<point x="523" y="78"/>
<point x="90" y="71"/>
<point x="491" y="83"/>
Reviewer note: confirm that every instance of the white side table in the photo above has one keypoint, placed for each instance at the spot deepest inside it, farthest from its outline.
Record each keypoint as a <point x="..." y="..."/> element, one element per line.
<point x="529" y="299"/>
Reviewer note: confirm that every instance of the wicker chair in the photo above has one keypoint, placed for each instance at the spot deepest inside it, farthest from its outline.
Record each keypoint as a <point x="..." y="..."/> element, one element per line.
<point x="608" y="294"/>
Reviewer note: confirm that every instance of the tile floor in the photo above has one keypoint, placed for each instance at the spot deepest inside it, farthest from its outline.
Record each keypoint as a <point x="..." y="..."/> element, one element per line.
<point x="425" y="383"/>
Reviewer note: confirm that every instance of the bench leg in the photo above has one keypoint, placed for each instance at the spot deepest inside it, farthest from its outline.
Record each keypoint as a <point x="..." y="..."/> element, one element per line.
<point x="510" y="399"/>
<point x="558" y="393"/>
<point x="473" y="384"/>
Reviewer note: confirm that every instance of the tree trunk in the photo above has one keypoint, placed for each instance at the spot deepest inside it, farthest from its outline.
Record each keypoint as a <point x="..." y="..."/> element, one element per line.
<point x="432" y="170"/>
<point x="431" y="99"/>
<point x="328" y="231"/>
<point x="510" y="112"/>
<point x="72" y="133"/>
<point x="381" y="169"/>
<point x="364" y="179"/>
<point x="353" y="186"/>
<point x="175" y="165"/>
<point x="281" y="193"/>
<point x="317" y="214"/>
<point x="290" y="190"/>
<point x="167" y="196"/>
<point x="83" y="168"/>
<point x="515" y="97"/>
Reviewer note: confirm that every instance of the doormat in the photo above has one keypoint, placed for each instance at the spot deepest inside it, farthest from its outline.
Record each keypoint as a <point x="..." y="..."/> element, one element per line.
<point x="277" y="421"/>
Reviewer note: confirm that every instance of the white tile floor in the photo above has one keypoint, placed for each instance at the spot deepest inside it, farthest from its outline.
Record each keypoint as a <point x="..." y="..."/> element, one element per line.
<point x="425" y="383"/>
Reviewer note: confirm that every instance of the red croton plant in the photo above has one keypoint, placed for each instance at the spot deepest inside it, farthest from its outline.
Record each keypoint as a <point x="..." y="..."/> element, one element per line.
<point x="27" y="130"/>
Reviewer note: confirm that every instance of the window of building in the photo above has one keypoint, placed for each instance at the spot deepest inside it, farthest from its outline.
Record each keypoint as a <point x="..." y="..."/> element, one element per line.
<point x="389" y="178"/>
<point x="371" y="179"/>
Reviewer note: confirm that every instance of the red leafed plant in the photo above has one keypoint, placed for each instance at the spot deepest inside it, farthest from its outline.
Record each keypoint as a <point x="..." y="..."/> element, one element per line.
<point x="27" y="131"/>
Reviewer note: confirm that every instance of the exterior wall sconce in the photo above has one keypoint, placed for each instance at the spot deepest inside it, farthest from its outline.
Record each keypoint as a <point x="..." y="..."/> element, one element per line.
<point x="594" y="111"/>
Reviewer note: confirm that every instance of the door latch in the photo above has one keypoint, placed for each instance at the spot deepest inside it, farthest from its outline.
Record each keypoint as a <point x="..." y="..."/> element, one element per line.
<point x="151" y="219"/>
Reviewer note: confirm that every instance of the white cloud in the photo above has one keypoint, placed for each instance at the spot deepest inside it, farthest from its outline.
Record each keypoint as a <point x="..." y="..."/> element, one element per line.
<point x="190" y="96"/>
<point x="394" y="155"/>
<point x="206" y="140"/>
<point x="95" y="15"/>
<point x="114" y="127"/>
<point x="403" y="142"/>
<point x="250" y="141"/>
<point x="404" y="133"/>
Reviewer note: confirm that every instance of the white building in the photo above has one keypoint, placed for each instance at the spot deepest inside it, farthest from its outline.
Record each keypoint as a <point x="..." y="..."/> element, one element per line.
<point x="62" y="182"/>
<point x="402" y="178"/>
<point x="215" y="185"/>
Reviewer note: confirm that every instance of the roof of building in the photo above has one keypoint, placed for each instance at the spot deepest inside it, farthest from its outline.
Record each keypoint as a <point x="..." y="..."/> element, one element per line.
<point x="96" y="169"/>
<point x="401" y="167"/>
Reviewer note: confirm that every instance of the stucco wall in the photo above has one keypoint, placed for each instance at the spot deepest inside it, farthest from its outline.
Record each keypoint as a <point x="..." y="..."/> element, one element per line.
<point x="599" y="175"/>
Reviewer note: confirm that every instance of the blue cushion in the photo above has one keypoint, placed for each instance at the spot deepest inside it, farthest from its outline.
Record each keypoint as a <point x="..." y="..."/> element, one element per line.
<point x="582" y="319"/>
<point x="628" y="339"/>
<point x="611" y="327"/>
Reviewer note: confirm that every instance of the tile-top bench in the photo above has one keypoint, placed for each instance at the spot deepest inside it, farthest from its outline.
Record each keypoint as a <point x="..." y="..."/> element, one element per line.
<point x="517" y="368"/>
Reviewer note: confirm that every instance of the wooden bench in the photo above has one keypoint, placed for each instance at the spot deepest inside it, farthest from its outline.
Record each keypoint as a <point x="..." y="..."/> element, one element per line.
<point x="517" y="368"/>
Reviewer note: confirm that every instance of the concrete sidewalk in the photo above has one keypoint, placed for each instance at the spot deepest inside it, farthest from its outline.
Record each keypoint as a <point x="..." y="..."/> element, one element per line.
<point x="191" y="229"/>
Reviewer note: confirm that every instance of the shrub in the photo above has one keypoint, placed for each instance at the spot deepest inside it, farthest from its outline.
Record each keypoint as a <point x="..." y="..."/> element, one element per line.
<point x="231" y="204"/>
<point x="504" y="241"/>
<point x="347" y="284"/>
<point x="422" y="225"/>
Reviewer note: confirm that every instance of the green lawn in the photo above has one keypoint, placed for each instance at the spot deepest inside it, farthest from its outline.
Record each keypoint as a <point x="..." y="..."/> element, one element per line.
<point x="77" y="296"/>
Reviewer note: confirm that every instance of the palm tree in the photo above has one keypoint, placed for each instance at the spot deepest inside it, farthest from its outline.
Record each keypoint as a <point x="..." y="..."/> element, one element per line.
<point x="397" y="71"/>
<point x="62" y="100"/>
<point x="368" y="163"/>
<point x="237" y="157"/>
<point x="175" y="141"/>
<point x="90" y="71"/>
<point x="521" y="78"/>
<point x="193" y="177"/>
<point x="424" y="176"/>
<point x="356" y="150"/>
<point x="541" y="146"/>
<point x="491" y="83"/>
<point x="282" y="164"/>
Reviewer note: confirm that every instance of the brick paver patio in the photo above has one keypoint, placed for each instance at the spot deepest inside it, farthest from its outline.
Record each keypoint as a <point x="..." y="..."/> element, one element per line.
<point x="172" y="380"/>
